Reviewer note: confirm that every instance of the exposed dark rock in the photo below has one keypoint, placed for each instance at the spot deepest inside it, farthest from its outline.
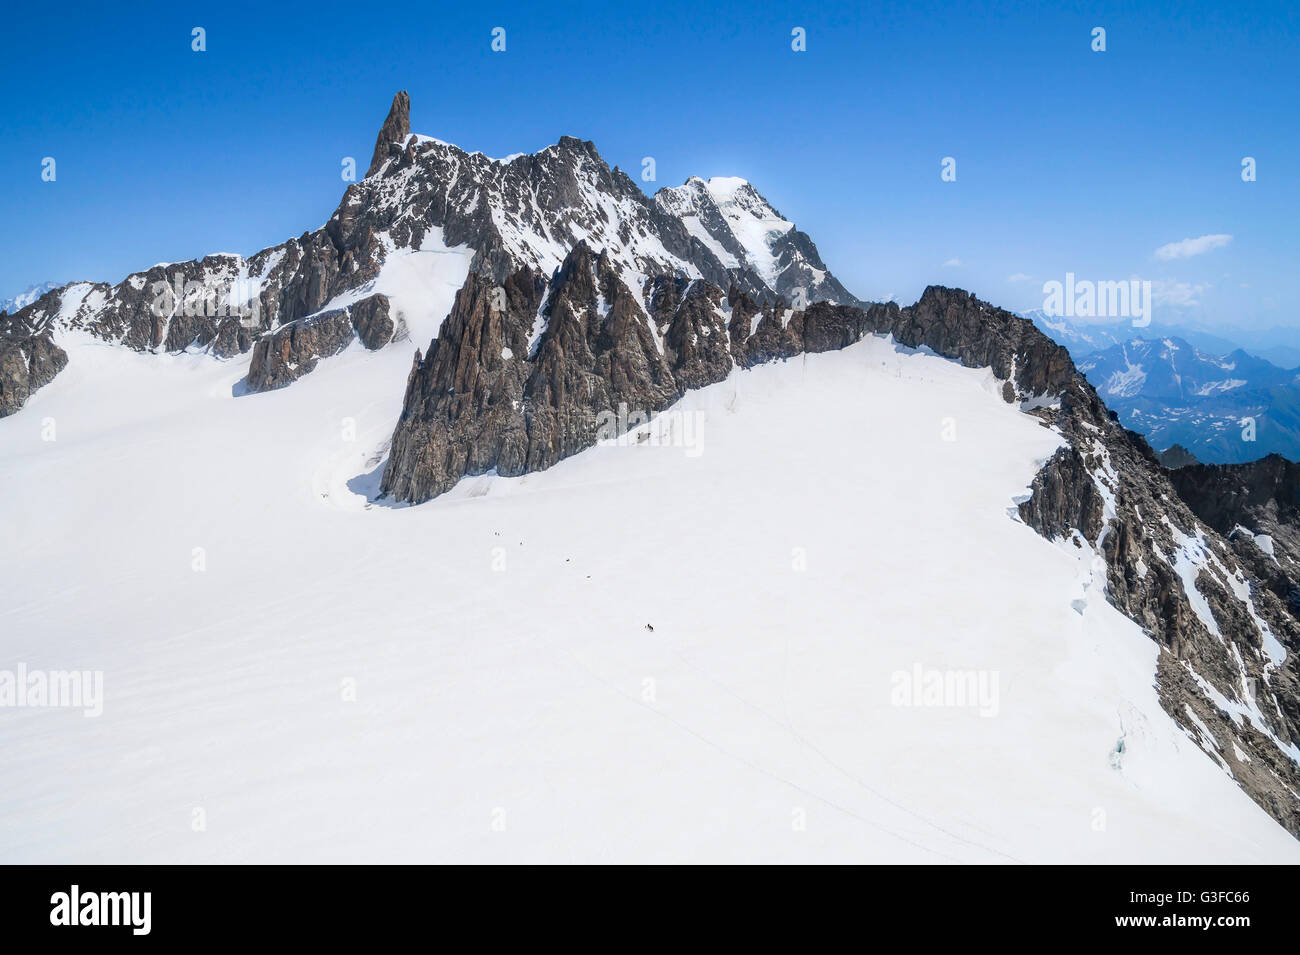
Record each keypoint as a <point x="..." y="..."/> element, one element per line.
<point x="480" y="401"/>
<point x="1176" y="456"/>
<point x="293" y="350"/>
<point x="692" y="322"/>
<point x="525" y="213"/>
<point x="549" y="339"/>
<point x="1065" y="498"/>
<point x="393" y="133"/>
<point x="29" y="359"/>
<point x="1256" y="507"/>
<point x="955" y="324"/>
<point x="463" y="412"/>
<point x="1104" y="492"/>
<point x="373" y="324"/>
<point x="1225" y="495"/>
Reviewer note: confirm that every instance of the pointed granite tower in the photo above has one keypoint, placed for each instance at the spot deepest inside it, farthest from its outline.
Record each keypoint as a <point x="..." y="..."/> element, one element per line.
<point x="395" y="130"/>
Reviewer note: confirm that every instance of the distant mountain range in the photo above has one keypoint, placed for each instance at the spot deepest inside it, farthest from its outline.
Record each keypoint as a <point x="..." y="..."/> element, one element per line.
<point x="1280" y="346"/>
<point x="25" y="298"/>
<point x="1221" y="403"/>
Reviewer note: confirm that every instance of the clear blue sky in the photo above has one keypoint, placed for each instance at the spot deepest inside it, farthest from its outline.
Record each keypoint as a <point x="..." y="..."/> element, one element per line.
<point x="1066" y="159"/>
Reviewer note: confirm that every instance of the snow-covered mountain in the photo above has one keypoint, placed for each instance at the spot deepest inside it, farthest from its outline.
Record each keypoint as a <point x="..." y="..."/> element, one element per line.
<point x="1229" y="408"/>
<point x="1172" y="368"/>
<point x="26" y="297"/>
<point x="745" y="233"/>
<point x="363" y="275"/>
<point x="1082" y="337"/>
<point x="696" y="528"/>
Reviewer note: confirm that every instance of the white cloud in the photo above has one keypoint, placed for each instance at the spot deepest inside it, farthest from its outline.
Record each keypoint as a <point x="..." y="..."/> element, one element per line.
<point x="1186" y="248"/>
<point x="1020" y="277"/>
<point x="953" y="264"/>
<point x="1177" y="293"/>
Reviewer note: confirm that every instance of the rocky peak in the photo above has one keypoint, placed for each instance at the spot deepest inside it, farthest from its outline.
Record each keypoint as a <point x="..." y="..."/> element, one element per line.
<point x="526" y="212"/>
<point x="29" y="359"/>
<point x="396" y="128"/>
<point x="752" y="240"/>
<point x="1176" y="456"/>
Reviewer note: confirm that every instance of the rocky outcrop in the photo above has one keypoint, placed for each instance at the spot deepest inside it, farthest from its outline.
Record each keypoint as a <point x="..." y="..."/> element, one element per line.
<point x="957" y="325"/>
<point x="29" y="359"/>
<point x="1227" y="495"/>
<point x="523" y="374"/>
<point x="691" y="318"/>
<point x="1064" y="498"/>
<point x="1176" y="456"/>
<point x="527" y="212"/>
<point x="294" y="350"/>
<point x="785" y="262"/>
<point x="520" y="376"/>
<point x="597" y="348"/>
<point x="393" y="133"/>
<point x="1229" y="636"/>
<point x="372" y="322"/>
<point x="488" y="397"/>
<point x="1256" y="507"/>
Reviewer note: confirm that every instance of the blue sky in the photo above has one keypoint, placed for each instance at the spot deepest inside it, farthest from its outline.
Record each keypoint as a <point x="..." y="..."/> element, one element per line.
<point x="1067" y="159"/>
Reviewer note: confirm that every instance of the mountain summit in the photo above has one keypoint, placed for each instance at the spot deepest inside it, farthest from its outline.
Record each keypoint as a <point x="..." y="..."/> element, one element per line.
<point x="523" y="301"/>
<point x="425" y="202"/>
<point x="394" y="132"/>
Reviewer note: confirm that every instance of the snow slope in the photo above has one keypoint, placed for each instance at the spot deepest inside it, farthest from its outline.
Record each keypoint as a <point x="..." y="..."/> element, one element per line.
<point x="728" y="209"/>
<point x="511" y="703"/>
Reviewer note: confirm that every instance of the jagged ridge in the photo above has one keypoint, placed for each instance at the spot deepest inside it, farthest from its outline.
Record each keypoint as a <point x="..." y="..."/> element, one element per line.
<point x="528" y="211"/>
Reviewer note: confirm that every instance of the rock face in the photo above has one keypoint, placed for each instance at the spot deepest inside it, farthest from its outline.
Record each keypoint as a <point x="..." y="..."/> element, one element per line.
<point x="522" y="375"/>
<point x="487" y="396"/>
<point x="525" y="212"/>
<point x="394" y="131"/>
<point x="1256" y="507"/>
<point x="28" y="360"/>
<point x="743" y="230"/>
<point x="372" y="322"/>
<point x="1227" y="495"/>
<point x="1229" y="642"/>
<point x="1176" y="456"/>
<point x="293" y="350"/>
